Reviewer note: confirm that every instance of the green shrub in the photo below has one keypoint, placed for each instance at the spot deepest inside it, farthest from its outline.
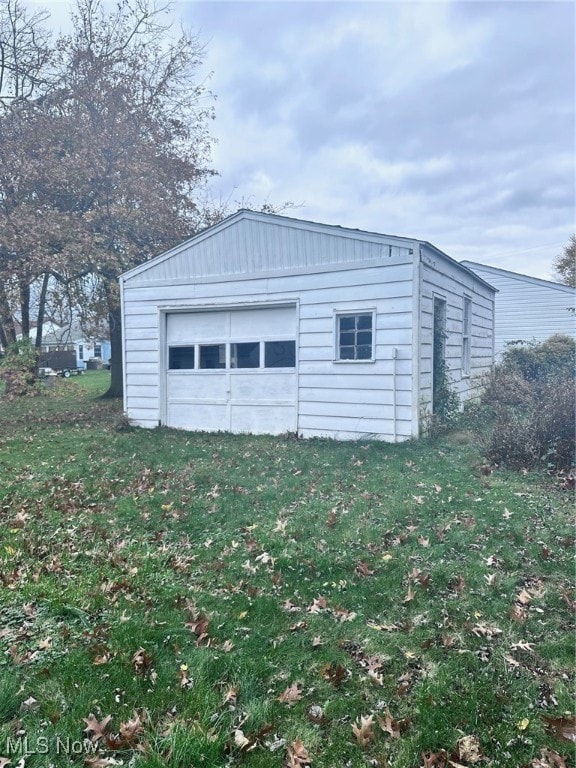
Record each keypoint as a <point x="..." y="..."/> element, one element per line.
<point x="526" y="417"/>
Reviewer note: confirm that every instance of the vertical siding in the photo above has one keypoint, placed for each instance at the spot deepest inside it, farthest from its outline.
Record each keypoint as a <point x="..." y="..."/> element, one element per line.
<point x="452" y="284"/>
<point x="528" y="309"/>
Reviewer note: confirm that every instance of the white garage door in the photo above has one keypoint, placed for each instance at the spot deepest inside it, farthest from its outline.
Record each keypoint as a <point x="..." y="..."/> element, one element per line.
<point x="232" y="370"/>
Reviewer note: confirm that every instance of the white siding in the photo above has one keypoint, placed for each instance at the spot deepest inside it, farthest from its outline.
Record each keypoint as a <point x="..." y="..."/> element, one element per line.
<point x="446" y="281"/>
<point x="528" y="309"/>
<point x="331" y="400"/>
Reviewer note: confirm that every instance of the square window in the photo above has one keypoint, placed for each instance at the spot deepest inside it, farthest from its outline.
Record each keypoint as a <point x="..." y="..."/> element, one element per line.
<point x="280" y="354"/>
<point x="213" y="356"/>
<point x="245" y="355"/>
<point x="355" y="336"/>
<point x="180" y="358"/>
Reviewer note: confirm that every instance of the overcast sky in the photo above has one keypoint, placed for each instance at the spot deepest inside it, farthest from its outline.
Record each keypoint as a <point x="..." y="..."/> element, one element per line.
<point x="452" y="122"/>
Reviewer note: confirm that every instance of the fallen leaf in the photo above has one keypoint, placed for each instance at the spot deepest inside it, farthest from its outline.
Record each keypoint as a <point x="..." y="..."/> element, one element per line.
<point x="548" y="759"/>
<point x="564" y="728"/>
<point x="469" y="749"/>
<point x="131" y="730"/>
<point x="96" y="729"/>
<point x="364" y="730"/>
<point x="291" y="695"/>
<point x="241" y="740"/>
<point x="141" y="661"/>
<point x="391" y="726"/>
<point x="297" y="755"/>
<point x="334" y="673"/>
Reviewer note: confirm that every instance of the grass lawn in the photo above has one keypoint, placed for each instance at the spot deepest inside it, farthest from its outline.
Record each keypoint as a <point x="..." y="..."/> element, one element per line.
<point x="203" y="600"/>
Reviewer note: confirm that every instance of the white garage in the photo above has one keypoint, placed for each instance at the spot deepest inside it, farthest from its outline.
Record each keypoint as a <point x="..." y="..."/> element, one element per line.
<point x="268" y="324"/>
<point x="232" y="370"/>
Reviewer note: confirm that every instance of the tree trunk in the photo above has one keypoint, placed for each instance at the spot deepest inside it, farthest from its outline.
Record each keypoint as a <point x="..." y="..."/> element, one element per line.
<point x="6" y="319"/>
<point x="116" y="372"/>
<point x="25" y="309"/>
<point x="42" y="310"/>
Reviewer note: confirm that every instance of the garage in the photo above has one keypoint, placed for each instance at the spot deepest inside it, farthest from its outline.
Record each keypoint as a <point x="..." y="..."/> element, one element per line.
<point x="231" y="370"/>
<point x="270" y="325"/>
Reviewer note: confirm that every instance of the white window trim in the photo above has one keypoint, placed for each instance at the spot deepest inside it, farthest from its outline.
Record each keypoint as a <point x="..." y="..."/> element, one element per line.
<point x="466" y="337"/>
<point x="338" y="313"/>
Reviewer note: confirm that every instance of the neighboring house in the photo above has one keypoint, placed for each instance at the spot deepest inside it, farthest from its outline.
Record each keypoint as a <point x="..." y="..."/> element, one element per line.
<point x="58" y="338"/>
<point x="527" y="308"/>
<point x="268" y="324"/>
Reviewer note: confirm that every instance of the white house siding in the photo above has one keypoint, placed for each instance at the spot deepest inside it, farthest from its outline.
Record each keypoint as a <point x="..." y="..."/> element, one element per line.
<point x="330" y="403"/>
<point x="527" y="308"/>
<point x="444" y="279"/>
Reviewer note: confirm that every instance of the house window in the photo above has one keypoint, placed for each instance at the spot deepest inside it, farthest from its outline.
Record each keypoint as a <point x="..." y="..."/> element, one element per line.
<point x="245" y="355"/>
<point x="466" y="332"/>
<point x="280" y="354"/>
<point x="355" y="336"/>
<point x="213" y="356"/>
<point x="97" y="350"/>
<point x="80" y="351"/>
<point x="180" y="358"/>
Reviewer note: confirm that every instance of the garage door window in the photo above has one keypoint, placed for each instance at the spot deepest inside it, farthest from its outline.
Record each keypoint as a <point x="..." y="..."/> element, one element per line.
<point x="246" y="355"/>
<point x="181" y="358"/>
<point x="213" y="356"/>
<point x="280" y="354"/>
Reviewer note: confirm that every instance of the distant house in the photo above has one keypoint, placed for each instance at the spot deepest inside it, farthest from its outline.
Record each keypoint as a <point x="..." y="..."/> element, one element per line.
<point x="60" y="338"/>
<point x="268" y="324"/>
<point x="528" y="308"/>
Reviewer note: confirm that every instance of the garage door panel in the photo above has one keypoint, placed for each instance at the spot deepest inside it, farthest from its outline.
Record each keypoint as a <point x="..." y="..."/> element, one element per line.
<point x="262" y="420"/>
<point x="263" y="323"/>
<point x="196" y="326"/>
<point x="262" y="386"/>
<point x="204" y="417"/>
<point x="199" y="387"/>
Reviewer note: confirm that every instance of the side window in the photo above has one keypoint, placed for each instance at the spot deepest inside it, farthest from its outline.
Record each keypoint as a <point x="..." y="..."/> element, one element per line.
<point x="355" y="336"/>
<point x="80" y="351"/>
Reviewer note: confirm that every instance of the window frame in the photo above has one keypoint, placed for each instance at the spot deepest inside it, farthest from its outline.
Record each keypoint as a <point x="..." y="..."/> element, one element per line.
<point x="466" y="335"/>
<point x="340" y="313"/>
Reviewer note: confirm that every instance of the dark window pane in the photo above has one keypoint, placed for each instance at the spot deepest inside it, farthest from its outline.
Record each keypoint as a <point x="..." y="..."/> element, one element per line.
<point x="213" y="356"/>
<point x="364" y="322"/>
<point x="347" y="323"/>
<point x="180" y="358"/>
<point x="347" y="339"/>
<point x="364" y="337"/>
<point x="280" y="354"/>
<point x="245" y="355"/>
<point x="364" y="352"/>
<point x="346" y="353"/>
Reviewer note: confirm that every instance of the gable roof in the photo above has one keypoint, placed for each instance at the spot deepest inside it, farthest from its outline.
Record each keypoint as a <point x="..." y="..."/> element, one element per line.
<point x="496" y="271"/>
<point x="407" y="244"/>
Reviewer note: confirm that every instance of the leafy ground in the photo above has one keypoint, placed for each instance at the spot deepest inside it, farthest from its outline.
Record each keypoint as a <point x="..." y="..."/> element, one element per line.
<point x="185" y="600"/>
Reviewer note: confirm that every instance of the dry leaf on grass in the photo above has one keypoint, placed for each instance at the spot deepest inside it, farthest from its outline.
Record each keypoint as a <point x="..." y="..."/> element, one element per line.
<point x="564" y="728"/>
<point x="297" y="755"/>
<point x="469" y="749"/>
<point x="96" y="729"/>
<point x="364" y="730"/>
